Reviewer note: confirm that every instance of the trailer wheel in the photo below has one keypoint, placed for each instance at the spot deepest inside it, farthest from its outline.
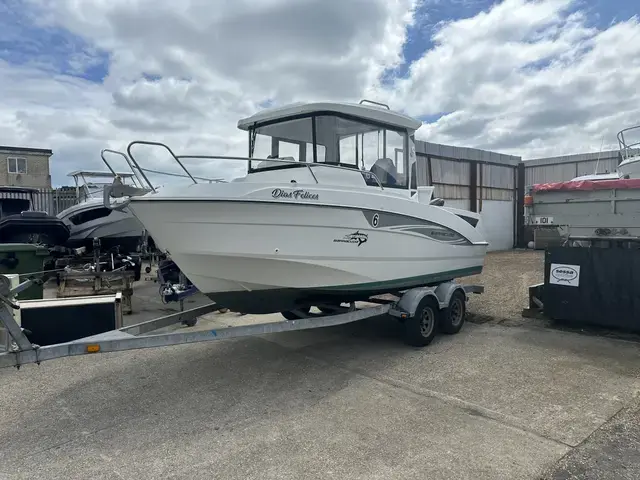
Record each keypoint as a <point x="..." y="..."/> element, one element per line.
<point x="453" y="316"/>
<point x="420" y="329"/>
<point x="191" y="322"/>
<point x="330" y="309"/>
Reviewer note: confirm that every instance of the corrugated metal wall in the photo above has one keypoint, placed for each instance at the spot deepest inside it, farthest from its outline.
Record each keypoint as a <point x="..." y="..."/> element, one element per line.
<point x="450" y="178"/>
<point x="49" y="200"/>
<point x="452" y="170"/>
<point x="452" y="175"/>
<point x="559" y="169"/>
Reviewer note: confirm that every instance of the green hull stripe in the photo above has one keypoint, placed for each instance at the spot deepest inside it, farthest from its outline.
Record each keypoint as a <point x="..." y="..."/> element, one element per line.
<point x="409" y="282"/>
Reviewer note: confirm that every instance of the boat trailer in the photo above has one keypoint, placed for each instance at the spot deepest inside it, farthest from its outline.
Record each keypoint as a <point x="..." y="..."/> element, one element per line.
<point x="423" y="310"/>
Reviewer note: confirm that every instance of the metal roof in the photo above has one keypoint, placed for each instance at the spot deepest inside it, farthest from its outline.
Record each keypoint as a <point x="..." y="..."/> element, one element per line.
<point x="40" y="151"/>
<point x="451" y="152"/>
<point x="573" y="158"/>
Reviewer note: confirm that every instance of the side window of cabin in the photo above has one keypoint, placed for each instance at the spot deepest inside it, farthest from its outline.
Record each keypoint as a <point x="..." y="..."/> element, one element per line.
<point x="92" y="214"/>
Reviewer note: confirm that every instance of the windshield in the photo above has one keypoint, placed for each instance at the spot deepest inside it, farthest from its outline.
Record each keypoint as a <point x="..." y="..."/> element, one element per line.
<point x="87" y="189"/>
<point x="338" y="141"/>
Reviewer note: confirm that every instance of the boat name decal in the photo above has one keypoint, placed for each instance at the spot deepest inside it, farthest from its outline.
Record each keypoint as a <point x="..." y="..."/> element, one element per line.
<point x="294" y="194"/>
<point x="355" y="237"/>
<point x="443" y="233"/>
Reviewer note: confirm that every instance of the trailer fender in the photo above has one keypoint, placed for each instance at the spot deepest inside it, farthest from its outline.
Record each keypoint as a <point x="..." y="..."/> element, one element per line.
<point x="408" y="303"/>
<point x="444" y="291"/>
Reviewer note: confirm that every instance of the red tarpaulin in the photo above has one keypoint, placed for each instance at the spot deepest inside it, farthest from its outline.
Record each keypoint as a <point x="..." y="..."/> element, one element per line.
<point x="619" y="183"/>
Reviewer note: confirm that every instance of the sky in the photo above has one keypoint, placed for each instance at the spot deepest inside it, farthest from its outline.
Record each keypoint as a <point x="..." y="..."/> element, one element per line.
<point x="529" y="78"/>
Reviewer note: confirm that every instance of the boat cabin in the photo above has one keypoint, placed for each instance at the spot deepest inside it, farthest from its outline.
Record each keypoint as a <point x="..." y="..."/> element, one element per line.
<point x="87" y="187"/>
<point x="367" y="136"/>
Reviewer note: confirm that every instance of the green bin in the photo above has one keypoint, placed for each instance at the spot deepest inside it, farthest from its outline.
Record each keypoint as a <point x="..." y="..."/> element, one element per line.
<point x="23" y="259"/>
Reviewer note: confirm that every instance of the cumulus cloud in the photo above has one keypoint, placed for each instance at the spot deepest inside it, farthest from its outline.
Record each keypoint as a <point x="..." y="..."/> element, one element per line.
<point x="531" y="78"/>
<point x="185" y="72"/>
<point x="527" y="78"/>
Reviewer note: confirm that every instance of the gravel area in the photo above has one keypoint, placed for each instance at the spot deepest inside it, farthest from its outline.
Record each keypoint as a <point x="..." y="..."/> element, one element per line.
<point x="506" y="277"/>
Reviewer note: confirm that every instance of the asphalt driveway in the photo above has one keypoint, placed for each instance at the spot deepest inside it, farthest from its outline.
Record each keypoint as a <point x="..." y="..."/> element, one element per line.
<point x="350" y="402"/>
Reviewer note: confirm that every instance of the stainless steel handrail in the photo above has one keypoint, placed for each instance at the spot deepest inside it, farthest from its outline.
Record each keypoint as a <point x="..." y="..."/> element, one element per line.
<point x="364" y="100"/>
<point x="158" y="172"/>
<point x="290" y="162"/>
<point x="135" y="168"/>
<point x="157" y="144"/>
<point x="245" y="159"/>
<point x="126" y="159"/>
<point x="622" y="144"/>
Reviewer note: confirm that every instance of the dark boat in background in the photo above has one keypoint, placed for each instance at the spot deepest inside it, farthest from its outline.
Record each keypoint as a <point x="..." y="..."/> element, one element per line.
<point x="19" y="223"/>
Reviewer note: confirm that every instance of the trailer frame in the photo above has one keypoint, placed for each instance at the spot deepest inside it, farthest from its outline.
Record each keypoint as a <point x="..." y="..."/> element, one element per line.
<point x="133" y="337"/>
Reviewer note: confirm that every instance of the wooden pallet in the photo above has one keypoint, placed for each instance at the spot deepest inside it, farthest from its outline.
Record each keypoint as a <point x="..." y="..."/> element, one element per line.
<point x="84" y="284"/>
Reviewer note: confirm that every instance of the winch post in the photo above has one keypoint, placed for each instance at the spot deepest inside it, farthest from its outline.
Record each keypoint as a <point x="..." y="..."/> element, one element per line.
<point x="12" y="332"/>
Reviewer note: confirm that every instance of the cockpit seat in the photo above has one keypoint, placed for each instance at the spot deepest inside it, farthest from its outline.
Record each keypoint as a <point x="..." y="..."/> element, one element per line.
<point x="386" y="171"/>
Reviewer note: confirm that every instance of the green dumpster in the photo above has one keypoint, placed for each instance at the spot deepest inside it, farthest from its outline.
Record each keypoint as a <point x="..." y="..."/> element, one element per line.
<point x="24" y="259"/>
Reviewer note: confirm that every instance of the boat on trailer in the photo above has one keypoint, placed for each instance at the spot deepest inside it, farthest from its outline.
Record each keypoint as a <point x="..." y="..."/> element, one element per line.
<point x="89" y="219"/>
<point x="329" y="212"/>
<point x="597" y="209"/>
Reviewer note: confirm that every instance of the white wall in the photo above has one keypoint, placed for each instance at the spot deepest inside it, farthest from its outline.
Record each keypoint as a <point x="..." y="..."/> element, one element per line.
<point x="496" y="222"/>
<point x="461" y="203"/>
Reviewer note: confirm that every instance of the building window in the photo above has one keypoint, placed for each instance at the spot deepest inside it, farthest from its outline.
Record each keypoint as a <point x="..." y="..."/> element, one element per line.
<point x="16" y="165"/>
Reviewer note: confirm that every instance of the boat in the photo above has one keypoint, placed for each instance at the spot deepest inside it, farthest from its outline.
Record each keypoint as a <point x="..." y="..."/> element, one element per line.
<point x="629" y="167"/>
<point x="20" y="223"/>
<point x="597" y="209"/>
<point x="329" y="212"/>
<point x="89" y="219"/>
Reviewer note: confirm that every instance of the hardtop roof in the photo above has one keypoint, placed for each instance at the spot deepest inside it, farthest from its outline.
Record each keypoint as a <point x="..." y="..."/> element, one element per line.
<point x="362" y="111"/>
<point x="93" y="173"/>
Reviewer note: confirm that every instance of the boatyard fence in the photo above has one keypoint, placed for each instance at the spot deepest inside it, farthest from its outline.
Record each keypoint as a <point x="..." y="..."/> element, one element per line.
<point x="50" y="200"/>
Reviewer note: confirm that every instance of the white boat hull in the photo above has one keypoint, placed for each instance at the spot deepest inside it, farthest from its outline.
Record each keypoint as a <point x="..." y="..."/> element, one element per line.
<point x="260" y="257"/>
<point x="293" y="234"/>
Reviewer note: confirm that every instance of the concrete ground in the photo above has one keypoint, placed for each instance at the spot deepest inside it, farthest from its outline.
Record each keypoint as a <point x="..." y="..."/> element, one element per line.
<point x="500" y="400"/>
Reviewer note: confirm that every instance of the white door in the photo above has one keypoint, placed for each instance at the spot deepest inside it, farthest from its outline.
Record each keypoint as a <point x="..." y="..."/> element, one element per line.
<point x="497" y="224"/>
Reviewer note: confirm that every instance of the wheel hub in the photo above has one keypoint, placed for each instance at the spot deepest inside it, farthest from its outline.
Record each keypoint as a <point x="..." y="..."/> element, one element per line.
<point x="426" y="322"/>
<point x="456" y="312"/>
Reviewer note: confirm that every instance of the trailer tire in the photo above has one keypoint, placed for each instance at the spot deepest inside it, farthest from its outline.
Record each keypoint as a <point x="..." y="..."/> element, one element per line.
<point x="329" y="309"/>
<point x="191" y="322"/>
<point x="421" y="329"/>
<point x="453" y="316"/>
